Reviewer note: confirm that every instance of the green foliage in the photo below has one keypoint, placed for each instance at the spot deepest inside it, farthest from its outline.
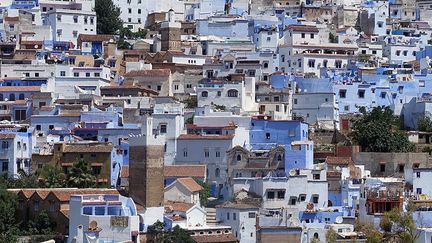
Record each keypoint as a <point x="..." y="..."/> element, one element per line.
<point x="331" y="236"/>
<point x="424" y="124"/>
<point x="189" y="120"/>
<point x="108" y="17"/>
<point x="333" y="38"/>
<point x="122" y="44"/>
<point x="399" y="225"/>
<point x="219" y="107"/>
<point x="42" y="226"/>
<point x="81" y="176"/>
<point x="176" y="235"/>
<point x="127" y="33"/>
<point x="53" y="176"/>
<point x="22" y="180"/>
<point x="378" y="131"/>
<point x="8" y="225"/>
<point x="204" y="193"/>
<point x="191" y="102"/>
<point x="371" y="233"/>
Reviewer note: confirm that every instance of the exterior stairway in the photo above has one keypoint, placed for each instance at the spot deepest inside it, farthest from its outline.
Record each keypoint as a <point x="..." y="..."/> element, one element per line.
<point x="211" y="216"/>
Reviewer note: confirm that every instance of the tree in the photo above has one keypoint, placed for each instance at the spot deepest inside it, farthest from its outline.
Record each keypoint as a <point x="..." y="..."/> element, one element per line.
<point x="331" y="236"/>
<point x="372" y="235"/>
<point x="23" y="180"/>
<point x="108" y="17"/>
<point x="8" y="224"/>
<point x="156" y="232"/>
<point x="191" y="102"/>
<point x="205" y="193"/>
<point x="176" y="235"/>
<point x="424" y="124"/>
<point x="399" y="225"/>
<point x="378" y="130"/>
<point x="53" y="176"/>
<point x="81" y="176"/>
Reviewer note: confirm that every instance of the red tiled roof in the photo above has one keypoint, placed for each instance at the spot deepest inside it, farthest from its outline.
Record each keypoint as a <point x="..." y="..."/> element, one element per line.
<point x="190" y="184"/>
<point x="11" y="18"/>
<point x="7" y="136"/>
<point x="20" y="88"/>
<point x="214" y="238"/>
<point x="303" y="28"/>
<point x="191" y="126"/>
<point x="184" y="170"/>
<point x="149" y="73"/>
<point x="171" y="206"/>
<point x="205" y="137"/>
<point x="87" y="148"/>
<point x="93" y="38"/>
<point x="339" y="160"/>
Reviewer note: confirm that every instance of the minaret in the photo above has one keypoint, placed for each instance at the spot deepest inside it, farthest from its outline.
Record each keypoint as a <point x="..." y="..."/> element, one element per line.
<point x="170" y="33"/>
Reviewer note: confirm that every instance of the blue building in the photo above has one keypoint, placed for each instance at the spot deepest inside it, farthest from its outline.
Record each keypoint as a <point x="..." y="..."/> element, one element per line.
<point x="266" y="134"/>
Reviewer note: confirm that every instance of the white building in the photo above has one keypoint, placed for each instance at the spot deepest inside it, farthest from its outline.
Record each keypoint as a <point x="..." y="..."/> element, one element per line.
<point x="421" y="180"/>
<point x="67" y="24"/>
<point x="302" y="190"/>
<point x="242" y="219"/>
<point x="183" y="190"/>
<point x="106" y="217"/>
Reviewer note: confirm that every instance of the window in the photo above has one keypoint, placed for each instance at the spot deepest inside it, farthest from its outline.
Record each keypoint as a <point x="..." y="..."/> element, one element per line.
<point x="206" y="153"/>
<point x="316" y="176"/>
<point x="383" y="95"/>
<point x="251" y="215"/>
<point x="76" y="74"/>
<point x="238" y="157"/>
<point x="75" y="33"/>
<point x="96" y="170"/>
<point x="361" y="93"/>
<point x="277" y="107"/>
<point x="418" y="174"/>
<point x="281" y="194"/>
<point x="219" y="93"/>
<point x="99" y="210"/>
<point x="217" y="153"/>
<point x="265" y="64"/>
<point x="268" y="135"/>
<point x="234" y="216"/>
<point x="401" y="168"/>
<point x="315" y="199"/>
<point x="5" y="166"/>
<point x="36" y="205"/>
<point x="302" y="197"/>
<point x="87" y="74"/>
<point x="21" y="97"/>
<point x="342" y="93"/>
<point x="51" y="127"/>
<point x="270" y="195"/>
<point x="303" y="35"/>
<point x="185" y="153"/>
<point x="232" y="93"/>
<point x="62" y="73"/>
<point x="217" y="172"/>
<point x="311" y="63"/>
<point x="36" y="75"/>
<point x="12" y="97"/>
<point x="96" y="74"/>
<point x="176" y="86"/>
<point x="228" y="216"/>
<point x="382" y="167"/>
<point x="204" y="94"/>
<point x="338" y="64"/>
<point x="398" y="52"/>
<point x="312" y="36"/>
<point x="38" y="127"/>
<point x="292" y="201"/>
<point x="163" y="128"/>
<point x="59" y="18"/>
<point x="75" y="18"/>
<point x="419" y="191"/>
<point x="91" y="20"/>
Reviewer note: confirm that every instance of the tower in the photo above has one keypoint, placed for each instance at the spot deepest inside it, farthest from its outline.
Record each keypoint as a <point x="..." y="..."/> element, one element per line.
<point x="170" y="33"/>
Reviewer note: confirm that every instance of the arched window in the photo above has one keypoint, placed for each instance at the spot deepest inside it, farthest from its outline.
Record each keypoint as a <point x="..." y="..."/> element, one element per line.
<point x="279" y="158"/>
<point x="204" y="94"/>
<point x="232" y="93"/>
<point x="21" y="97"/>
<point x="217" y="172"/>
<point x="238" y="157"/>
<point x="316" y="236"/>
<point x="12" y="97"/>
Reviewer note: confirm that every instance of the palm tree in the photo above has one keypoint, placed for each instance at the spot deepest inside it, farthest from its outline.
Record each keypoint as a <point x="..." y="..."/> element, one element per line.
<point x="53" y="176"/>
<point x="80" y="176"/>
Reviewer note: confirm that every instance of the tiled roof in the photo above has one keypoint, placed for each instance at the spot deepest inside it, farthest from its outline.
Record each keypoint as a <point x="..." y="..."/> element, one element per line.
<point x="64" y="195"/>
<point x="303" y="28"/>
<point x="87" y="148"/>
<point x="148" y="73"/>
<point x="124" y="172"/>
<point x="190" y="184"/>
<point x="339" y="160"/>
<point x="93" y="38"/>
<point x="171" y="206"/>
<point x="184" y="170"/>
<point x="214" y="238"/>
<point x="20" y="88"/>
<point x="205" y="137"/>
<point x="7" y="135"/>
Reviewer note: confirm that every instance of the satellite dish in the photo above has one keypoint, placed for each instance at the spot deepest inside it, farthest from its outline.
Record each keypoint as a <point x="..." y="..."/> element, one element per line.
<point x="292" y="172"/>
<point x="338" y="168"/>
<point x="36" y="46"/>
<point x="339" y="220"/>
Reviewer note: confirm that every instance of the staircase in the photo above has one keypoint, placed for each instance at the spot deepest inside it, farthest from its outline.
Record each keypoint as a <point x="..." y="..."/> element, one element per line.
<point x="211" y="216"/>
